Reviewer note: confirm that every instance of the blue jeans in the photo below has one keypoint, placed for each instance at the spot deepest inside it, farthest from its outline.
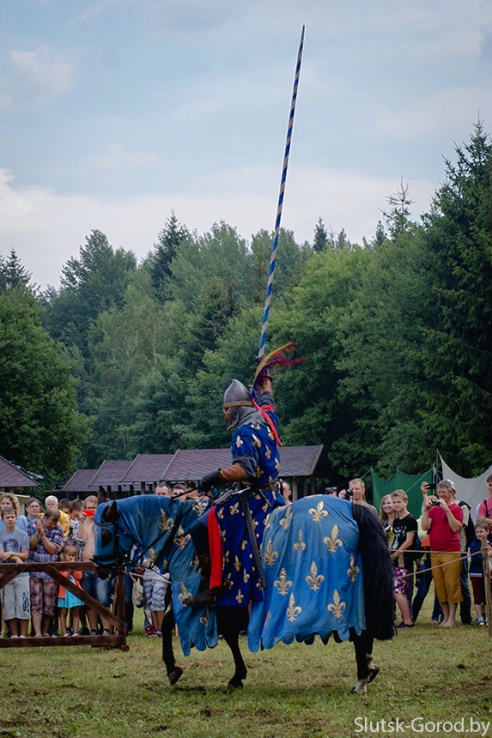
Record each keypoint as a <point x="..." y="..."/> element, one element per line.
<point x="96" y="587"/>
<point x="424" y="581"/>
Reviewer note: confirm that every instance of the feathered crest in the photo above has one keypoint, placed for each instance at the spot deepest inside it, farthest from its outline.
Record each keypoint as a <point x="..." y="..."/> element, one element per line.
<point x="276" y="358"/>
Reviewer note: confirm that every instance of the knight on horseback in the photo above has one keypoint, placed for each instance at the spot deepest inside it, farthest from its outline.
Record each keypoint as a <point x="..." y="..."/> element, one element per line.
<point x="228" y="535"/>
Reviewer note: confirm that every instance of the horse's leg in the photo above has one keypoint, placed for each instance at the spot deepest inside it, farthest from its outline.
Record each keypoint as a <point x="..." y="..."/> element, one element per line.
<point x="227" y="627"/>
<point x="366" y="669"/>
<point x="167" y="628"/>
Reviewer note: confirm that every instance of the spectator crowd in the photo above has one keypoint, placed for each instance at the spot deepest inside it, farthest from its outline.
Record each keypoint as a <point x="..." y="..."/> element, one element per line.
<point x="443" y="546"/>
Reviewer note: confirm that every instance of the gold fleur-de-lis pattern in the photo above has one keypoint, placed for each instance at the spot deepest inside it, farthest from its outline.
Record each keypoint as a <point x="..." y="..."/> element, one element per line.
<point x="354" y="570"/>
<point x="200" y="506"/>
<point x="182" y="539"/>
<point x="318" y="512"/>
<point x="299" y="546"/>
<point x="332" y="541"/>
<point x="183" y="594"/>
<point x="285" y="521"/>
<point x="166" y="523"/>
<point x="314" y="577"/>
<point x="293" y="611"/>
<point x="314" y="580"/>
<point x="283" y="584"/>
<point x="337" y="607"/>
<point x="269" y="555"/>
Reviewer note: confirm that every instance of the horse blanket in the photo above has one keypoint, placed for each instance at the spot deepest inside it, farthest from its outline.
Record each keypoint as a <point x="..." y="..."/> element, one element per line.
<point x="313" y="572"/>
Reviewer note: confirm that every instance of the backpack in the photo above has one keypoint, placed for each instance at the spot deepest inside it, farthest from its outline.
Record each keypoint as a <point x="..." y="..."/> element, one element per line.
<point x="470" y="527"/>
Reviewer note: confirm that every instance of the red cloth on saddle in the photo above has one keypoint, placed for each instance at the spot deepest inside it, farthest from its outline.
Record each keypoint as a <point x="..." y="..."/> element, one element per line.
<point x="215" y="548"/>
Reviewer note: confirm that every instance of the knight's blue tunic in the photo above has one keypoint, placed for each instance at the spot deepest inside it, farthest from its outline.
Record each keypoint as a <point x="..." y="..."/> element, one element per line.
<point x="253" y="446"/>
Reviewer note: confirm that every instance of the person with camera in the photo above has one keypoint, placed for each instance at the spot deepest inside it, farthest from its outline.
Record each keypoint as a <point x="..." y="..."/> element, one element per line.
<point x="356" y="493"/>
<point x="443" y="518"/>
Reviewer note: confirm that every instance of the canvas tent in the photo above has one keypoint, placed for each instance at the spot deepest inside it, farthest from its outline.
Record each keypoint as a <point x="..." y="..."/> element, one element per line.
<point x="409" y="482"/>
<point x="472" y="490"/>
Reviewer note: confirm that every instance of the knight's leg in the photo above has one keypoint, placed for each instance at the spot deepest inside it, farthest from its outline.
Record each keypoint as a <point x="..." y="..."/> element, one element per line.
<point x="227" y="627"/>
<point x="168" y="622"/>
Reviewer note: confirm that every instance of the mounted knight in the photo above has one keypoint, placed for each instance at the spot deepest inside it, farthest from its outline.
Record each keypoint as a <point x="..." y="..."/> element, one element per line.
<point x="228" y="536"/>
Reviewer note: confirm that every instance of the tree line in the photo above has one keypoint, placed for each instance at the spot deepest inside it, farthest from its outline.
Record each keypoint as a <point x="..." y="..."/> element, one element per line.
<point x="130" y="357"/>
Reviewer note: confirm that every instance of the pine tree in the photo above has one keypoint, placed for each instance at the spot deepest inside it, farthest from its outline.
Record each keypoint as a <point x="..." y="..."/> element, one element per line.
<point x="166" y="249"/>
<point x="13" y="274"/>
<point x="320" y="237"/>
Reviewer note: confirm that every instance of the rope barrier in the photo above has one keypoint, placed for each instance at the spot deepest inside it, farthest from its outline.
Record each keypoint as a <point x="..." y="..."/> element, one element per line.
<point x="438" y="566"/>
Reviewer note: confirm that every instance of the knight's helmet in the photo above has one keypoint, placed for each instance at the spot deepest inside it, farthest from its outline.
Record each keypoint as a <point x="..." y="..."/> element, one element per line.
<point x="236" y="404"/>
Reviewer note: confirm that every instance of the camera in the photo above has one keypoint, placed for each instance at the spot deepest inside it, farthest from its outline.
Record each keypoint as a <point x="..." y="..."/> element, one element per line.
<point x="434" y="503"/>
<point x="431" y="485"/>
<point x="348" y="493"/>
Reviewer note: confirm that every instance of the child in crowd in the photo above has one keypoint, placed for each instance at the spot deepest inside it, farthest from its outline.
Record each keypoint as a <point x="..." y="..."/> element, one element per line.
<point x="387" y="517"/>
<point x="76" y="517"/>
<point x="9" y="501"/>
<point x="155" y="587"/>
<point x="482" y="531"/>
<point x="14" y="549"/>
<point x="68" y="603"/>
<point x="404" y="531"/>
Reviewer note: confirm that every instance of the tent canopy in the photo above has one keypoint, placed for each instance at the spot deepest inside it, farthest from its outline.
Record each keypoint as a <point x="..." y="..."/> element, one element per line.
<point x="472" y="490"/>
<point x="409" y="482"/>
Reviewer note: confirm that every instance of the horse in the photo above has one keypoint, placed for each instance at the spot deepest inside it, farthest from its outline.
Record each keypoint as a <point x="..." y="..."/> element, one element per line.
<point x="326" y="565"/>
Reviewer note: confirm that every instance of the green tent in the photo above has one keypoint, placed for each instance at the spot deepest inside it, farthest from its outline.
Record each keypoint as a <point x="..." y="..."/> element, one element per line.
<point x="409" y="482"/>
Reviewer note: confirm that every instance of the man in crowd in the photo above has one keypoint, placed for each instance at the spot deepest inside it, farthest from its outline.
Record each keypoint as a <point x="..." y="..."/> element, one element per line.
<point x="443" y="518"/>
<point x="98" y="588"/>
<point x="484" y="508"/>
<point x="356" y="493"/>
<point x="45" y="540"/>
<point x="51" y="503"/>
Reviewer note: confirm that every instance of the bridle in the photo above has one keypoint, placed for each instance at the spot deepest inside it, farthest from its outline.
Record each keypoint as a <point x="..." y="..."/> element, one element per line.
<point x="111" y="559"/>
<point x="114" y="558"/>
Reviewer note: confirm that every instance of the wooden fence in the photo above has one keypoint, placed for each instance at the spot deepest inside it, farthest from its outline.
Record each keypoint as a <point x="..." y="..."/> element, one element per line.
<point x="115" y="615"/>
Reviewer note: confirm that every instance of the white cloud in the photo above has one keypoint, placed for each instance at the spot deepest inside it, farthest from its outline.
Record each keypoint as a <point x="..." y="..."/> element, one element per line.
<point x="33" y="78"/>
<point x="114" y="157"/>
<point x="46" y="229"/>
<point x="442" y="113"/>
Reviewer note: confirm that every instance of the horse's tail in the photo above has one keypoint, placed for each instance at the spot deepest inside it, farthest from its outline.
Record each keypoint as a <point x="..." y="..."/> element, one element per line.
<point x="377" y="573"/>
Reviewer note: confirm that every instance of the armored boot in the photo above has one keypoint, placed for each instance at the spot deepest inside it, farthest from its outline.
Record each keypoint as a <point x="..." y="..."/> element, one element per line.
<point x="204" y="596"/>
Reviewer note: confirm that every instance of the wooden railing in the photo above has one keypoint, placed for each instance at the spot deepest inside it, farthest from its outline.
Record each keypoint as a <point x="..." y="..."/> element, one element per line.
<point x="115" y="615"/>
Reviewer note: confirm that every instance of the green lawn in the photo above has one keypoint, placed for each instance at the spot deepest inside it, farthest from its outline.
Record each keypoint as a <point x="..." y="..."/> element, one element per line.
<point x="428" y="674"/>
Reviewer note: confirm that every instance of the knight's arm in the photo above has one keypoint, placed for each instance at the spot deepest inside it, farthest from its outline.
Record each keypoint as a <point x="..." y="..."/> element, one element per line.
<point x="233" y="473"/>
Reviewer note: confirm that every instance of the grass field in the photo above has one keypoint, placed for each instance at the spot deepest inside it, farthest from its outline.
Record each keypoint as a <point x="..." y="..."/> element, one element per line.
<point x="428" y="675"/>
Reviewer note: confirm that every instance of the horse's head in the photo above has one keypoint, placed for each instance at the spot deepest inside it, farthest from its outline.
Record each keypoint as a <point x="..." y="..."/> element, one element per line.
<point x="106" y="549"/>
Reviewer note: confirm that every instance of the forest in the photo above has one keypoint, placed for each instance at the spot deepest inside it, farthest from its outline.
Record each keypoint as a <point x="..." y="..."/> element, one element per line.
<point x="129" y="357"/>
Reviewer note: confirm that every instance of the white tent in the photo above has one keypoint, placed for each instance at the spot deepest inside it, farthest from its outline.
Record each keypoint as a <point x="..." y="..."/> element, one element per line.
<point x="472" y="491"/>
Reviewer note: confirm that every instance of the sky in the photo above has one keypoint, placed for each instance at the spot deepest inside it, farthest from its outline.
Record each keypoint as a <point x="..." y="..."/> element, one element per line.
<point x="116" y="113"/>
